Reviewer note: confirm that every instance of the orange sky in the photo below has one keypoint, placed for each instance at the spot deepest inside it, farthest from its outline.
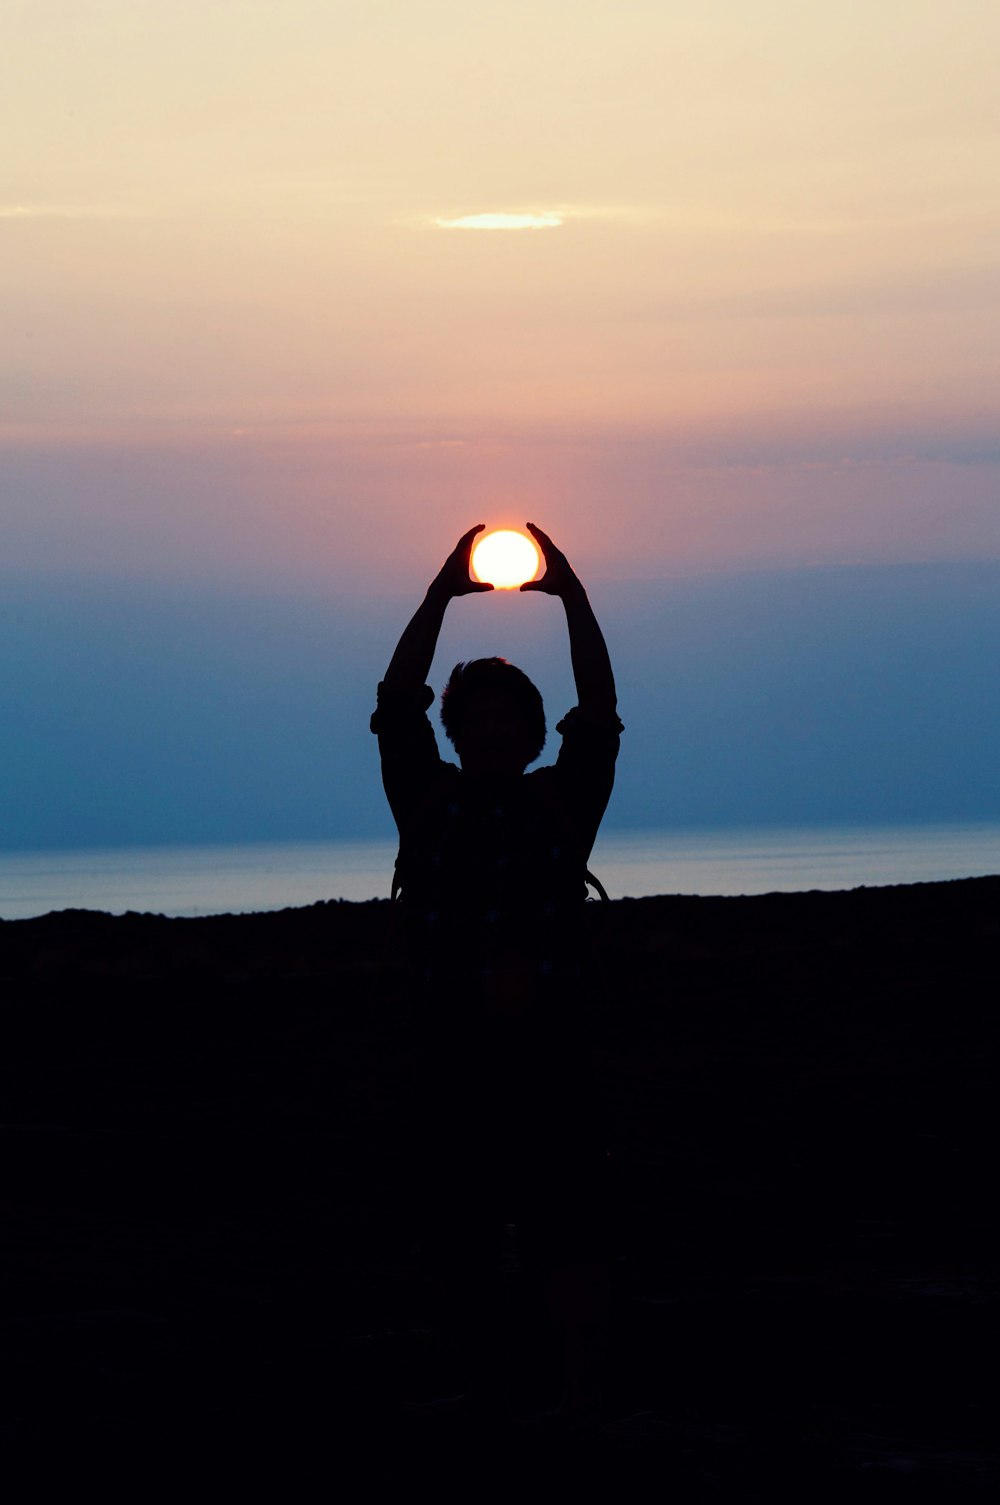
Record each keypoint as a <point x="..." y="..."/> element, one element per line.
<point x="725" y="275"/>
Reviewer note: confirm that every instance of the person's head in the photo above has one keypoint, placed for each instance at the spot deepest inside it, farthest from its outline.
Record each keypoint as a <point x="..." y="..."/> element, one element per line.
<point x="494" y="716"/>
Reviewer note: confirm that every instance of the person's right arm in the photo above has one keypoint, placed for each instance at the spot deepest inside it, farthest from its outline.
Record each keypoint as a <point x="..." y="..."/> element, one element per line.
<point x="411" y="663"/>
<point x="410" y="759"/>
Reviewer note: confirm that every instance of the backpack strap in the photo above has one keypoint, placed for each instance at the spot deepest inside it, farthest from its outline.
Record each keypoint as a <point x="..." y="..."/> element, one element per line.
<point x="556" y="806"/>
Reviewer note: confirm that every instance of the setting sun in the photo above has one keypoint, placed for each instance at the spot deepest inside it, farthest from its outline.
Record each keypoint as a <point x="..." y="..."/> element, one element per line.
<point x="505" y="559"/>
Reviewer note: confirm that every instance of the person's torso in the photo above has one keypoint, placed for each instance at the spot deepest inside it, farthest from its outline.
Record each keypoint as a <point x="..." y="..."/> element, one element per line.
<point x="493" y="885"/>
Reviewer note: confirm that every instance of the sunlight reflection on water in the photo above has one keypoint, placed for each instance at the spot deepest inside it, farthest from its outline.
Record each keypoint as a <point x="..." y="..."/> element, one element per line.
<point x="792" y="860"/>
<point x="239" y="879"/>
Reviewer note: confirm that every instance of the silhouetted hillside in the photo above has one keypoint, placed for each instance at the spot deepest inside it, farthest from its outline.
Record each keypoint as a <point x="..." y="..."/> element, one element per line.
<point x="207" y="1240"/>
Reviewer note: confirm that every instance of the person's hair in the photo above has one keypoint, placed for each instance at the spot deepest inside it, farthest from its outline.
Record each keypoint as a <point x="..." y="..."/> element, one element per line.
<point x="493" y="674"/>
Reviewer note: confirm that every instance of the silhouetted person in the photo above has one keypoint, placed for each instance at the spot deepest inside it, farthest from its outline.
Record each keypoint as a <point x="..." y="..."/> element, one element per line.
<point x="491" y="869"/>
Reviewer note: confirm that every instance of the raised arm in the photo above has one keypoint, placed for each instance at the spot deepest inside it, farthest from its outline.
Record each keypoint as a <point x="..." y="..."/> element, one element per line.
<point x="411" y="663"/>
<point x="595" y="682"/>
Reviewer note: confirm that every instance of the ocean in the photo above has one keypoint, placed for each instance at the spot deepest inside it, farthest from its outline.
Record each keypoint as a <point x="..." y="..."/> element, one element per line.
<point x="255" y="877"/>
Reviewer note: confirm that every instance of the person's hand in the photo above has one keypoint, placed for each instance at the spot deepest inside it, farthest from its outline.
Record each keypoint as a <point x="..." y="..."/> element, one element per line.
<point x="453" y="578"/>
<point x="559" y="579"/>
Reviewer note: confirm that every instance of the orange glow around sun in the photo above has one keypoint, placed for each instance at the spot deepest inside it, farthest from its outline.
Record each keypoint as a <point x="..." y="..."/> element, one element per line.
<point x="505" y="559"/>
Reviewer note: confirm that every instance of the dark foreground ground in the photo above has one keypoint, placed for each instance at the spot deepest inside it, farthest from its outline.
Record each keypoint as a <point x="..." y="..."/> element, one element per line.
<point x="206" y="1262"/>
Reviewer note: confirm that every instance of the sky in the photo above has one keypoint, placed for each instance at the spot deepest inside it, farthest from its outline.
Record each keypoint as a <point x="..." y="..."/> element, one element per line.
<point x="291" y="295"/>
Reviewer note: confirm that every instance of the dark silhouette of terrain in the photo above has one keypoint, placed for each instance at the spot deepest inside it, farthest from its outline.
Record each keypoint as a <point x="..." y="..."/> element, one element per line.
<point x="206" y="1250"/>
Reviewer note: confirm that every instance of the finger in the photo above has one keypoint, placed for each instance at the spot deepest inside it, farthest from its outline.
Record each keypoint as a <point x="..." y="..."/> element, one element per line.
<point x="466" y="538"/>
<point x="543" y="538"/>
<point x="481" y="585"/>
<point x="534" y="585"/>
<point x="550" y="552"/>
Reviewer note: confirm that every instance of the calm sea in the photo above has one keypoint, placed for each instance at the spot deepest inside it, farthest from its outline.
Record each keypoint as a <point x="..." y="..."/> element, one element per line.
<point x="237" y="879"/>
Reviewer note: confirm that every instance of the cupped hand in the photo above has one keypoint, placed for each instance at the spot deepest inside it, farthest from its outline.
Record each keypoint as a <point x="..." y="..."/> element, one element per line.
<point x="453" y="577"/>
<point x="559" y="577"/>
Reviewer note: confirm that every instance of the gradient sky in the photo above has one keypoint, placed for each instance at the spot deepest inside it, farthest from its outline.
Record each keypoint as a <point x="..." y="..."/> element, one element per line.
<point x="292" y="294"/>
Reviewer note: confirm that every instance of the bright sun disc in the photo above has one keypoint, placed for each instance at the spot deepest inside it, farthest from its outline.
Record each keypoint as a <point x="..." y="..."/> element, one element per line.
<point x="505" y="559"/>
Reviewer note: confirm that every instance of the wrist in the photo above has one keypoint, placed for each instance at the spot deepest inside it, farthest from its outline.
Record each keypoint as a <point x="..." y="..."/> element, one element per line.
<point x="573" y="592"/>
<point x="439" y="593"/>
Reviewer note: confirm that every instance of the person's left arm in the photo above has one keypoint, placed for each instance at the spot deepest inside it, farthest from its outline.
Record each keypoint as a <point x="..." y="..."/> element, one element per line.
<point x="595" y="681"/>
<point x="585" y="768"/>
